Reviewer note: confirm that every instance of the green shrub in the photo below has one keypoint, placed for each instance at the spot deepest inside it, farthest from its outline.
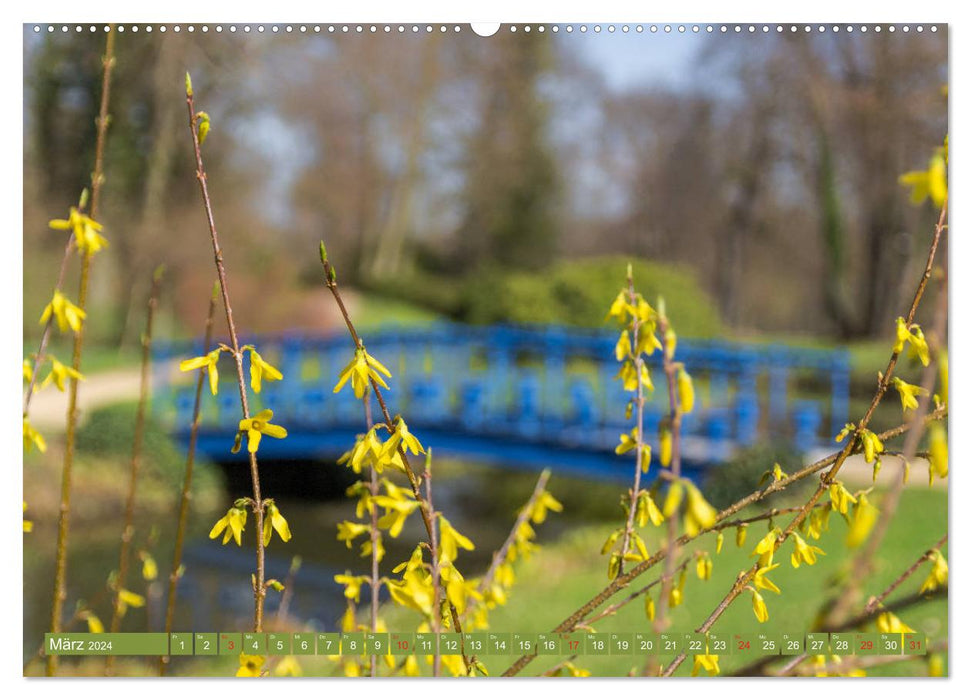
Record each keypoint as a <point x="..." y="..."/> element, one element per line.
<point x="110" y="432"/>
<point x="578" y="292"/>
<point x="726" y="483"/>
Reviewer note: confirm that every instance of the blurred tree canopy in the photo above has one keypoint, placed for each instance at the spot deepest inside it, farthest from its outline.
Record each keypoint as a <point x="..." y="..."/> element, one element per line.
<point x="467" y="173"/>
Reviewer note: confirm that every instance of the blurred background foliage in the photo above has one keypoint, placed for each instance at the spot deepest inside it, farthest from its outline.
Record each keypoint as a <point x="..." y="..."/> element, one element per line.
<point x="500" y="179"/>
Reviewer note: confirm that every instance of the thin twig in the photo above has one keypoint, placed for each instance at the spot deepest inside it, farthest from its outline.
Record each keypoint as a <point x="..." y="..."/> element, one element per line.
<point x="259" y="585"/>
<point x="186" y="495"/>
<point x="64" y="518"/>
<point x="499" y="556"/>
<point x="661" y="620"/>
<point x="862" y="564"/>
<point x="622" y="581"/>
<point x="639" y="410"/>
<point x="46" y="334"/>
<point x="743" y="580"/>
<point x="375" y="535"/>
<point x="423" y="507"/>
<point x="128" y="531"/>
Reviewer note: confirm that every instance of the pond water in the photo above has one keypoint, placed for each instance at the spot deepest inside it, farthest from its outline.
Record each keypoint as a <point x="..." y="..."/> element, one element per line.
<point x="215" y="592"/>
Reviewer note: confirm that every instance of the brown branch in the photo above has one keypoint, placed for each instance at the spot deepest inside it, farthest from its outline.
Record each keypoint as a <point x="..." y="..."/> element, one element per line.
<point x="499" y="556"/>
<point x="46" y="334"/>
<point x="639" y="441"/>
<point x="186" y="495"/>
<point x="64" y="517"/>
<point x="128" y="531"/>
<point x="330" y="277"/>
<point x="259" y="587"/>
<point x="743" y="580"/>
<point x="375" y="536"/>
<point x="855" y="622"/>
<point x="436" y="618"/>
<point x="622" y="581"/>
<point x="875" y="602"/>
<point x="661" y="621"/>
<point x="863" y="562"/>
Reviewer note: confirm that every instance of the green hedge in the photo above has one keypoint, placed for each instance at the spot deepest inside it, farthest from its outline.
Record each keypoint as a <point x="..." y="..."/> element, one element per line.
<point x="579" y="292"/>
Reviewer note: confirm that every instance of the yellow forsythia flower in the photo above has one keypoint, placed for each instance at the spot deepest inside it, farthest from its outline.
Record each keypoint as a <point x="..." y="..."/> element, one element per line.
<point x="938" y="574"/>
<point x="274" y="520"/>
<point x="931" y="182"/>
<point x="759" y="607"/>
<point x="209" y="361"/>
<point x="86" y="231"/>
<point x="708" y="662"/>
<point x="33" y="438"/>
<point x="60" y="373"/>
<point x="403" y="437"/>
<point x="887" y="622"/>
<point x="256" y="427"/>
<point x="761" y="582"/>
<point x="699" y="514"/>
<point x="908" y="393"/>
<point x="665" y="443"/>
<point x="250" y="666"/>
<point x="451" y="539"/>
<point x="862" y="522"/>
<point x="94" y="623"/>
<point x="686" y="391"/>
<point x="149" y="567"/>
<point x="937" y="446"/>
<point x="260" y="368"/>
<point x="352" y="585"/>
<point x="64" y="312"/>
<point x="28" y="524"/>
<point x="231" y="525"/>
<point x="804" y="552"/>
<point x="361" y="371"/>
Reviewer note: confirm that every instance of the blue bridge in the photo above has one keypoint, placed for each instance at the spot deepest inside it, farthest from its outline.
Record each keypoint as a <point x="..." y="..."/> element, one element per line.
<point x="520" y="397"/>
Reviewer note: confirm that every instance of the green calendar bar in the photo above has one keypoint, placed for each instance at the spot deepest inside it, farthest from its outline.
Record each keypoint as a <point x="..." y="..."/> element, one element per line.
<point x="180" y="644"/>
<point x="328" y="644"/>
<point x="621" y="644"/>
<point x="254" y="643"/>
<point x="352" y="644"/>
<point x="230" y="643"/>
<point x="499" y="643"/>
<point x="645" y="643"/>
<point x="719" y="643"/>
<point x="206" y="643"/>
<point x="792" y="644"/>
<point x="817" y="643"/>
<point x="403" y="643"/>
<point x="523" y="643"/>
<point x="278" y="643"/>
<point x="891" y="643"/>
<point x="377" y="643"/>
<point x="106" y="644"/>
<point x="575" y="643"/>
<point x="451" y="643"/>
<point x="915" y="644"/>
<point x="841" y="643"/>
<point x="424" y="642"/>
<point x="565" y="644"/>
<point x="866" y="644"/>
<point x="694" y="643"/>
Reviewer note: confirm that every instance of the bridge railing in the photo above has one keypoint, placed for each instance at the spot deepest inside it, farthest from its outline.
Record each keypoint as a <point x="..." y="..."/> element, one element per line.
<point x="543" y="384"/>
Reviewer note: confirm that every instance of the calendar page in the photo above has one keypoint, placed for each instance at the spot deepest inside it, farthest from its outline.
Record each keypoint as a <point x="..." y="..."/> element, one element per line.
<point x="529" y="349"/>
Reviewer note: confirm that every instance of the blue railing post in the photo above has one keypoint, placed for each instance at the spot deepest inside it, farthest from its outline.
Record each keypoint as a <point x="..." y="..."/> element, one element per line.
<point x="806" y="418"/>
<point x="840" y="400"/>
